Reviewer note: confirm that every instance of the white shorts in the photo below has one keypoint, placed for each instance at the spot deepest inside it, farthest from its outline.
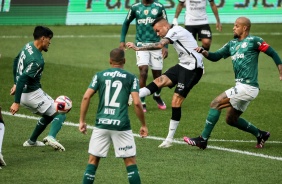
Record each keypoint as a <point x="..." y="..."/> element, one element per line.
<point x="38" y="102"/>
<point x="241" y="95"/>
<point x="123" y="141"/>
<point x="152" y="58"/>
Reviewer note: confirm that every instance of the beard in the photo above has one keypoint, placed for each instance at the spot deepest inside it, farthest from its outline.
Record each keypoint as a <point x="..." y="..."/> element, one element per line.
<point x="235" y="36"/>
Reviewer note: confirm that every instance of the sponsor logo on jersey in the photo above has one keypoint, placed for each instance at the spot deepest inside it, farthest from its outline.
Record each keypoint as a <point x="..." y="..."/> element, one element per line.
<point x="148" y="20"/>
<point x="115" y="74"/>
<point x="154" y="11"/>
<point x="146" y="12"/>
<point x="125" y="148"/>
<point x="135" y="82"/>
<point x="244" y="45"/>
<point x="106" y="121"/>
<point x="237" y="56"/>
<point x="94" y="81"/>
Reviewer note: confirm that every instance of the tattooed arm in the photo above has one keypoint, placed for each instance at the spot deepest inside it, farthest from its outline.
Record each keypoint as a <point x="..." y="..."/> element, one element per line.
<point x="153" y="46"/>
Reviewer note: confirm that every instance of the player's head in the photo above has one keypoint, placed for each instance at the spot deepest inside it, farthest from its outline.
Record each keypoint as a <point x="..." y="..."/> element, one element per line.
<point x="42" y="35"/>
<point x="161" y="26"/>
<point x="117" y="57"/>
<point x="241" y="27"/>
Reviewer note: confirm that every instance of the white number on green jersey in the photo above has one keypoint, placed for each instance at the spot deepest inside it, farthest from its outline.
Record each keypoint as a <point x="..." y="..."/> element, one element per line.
<point x="117" y="85"/>
<point x="20" y="63"/>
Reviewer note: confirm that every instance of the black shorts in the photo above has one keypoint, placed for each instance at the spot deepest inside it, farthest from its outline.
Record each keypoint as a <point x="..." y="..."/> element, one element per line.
<point x="203" y="31"/>
<point x="183" y="78"/>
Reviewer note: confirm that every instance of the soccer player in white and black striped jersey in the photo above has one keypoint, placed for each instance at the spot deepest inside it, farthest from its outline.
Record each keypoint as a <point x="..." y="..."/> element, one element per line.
<point x="184" y="75"/>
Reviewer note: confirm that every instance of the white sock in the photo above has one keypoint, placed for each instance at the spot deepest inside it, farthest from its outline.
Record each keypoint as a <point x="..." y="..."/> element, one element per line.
<point x="2" y="130"/>
<point x="172" y="129"/>
<point x="144" y="92"/>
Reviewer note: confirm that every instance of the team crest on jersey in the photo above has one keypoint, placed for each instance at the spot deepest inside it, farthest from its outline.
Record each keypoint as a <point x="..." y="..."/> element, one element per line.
<point x="244" y="45"/>
<point x="146" y="12"/>
<point x="154" y="11"/>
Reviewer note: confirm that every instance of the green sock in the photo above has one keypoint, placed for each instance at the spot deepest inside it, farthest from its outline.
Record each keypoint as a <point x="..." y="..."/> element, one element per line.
<point x="89" y="174"/>
<point x="57" y="124"/>
<point x="246" y="126"/>
<point x="211" y="120"/>
<point x="40" y="127"/>
<point x="142" y="100"/>
<point x="133" y="174"/>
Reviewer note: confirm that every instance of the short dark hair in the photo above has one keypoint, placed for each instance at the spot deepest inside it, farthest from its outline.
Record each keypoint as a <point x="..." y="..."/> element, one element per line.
<point x="117" y="55"/>
<point x="40" y="31"/>
<point x="158" y="19"/>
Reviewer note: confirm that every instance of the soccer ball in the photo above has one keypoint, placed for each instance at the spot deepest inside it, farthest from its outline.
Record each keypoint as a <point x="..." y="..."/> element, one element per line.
<point x="63" y="104"/>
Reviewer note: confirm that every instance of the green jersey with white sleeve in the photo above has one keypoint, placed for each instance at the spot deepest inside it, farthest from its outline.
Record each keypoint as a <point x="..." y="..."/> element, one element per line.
<point x="114" y="86"/>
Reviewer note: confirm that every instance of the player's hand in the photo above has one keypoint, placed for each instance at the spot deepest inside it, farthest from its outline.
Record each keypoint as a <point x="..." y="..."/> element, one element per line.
<point x="83" y="127"/>
<point x="164" y="52"/>
<point x="131" y="45"/>
<point x="14" y="108"/>
<point x="143" y="131"/>
<point x="122" y="46"/>
<point x="13" y="90"/>
<point x="219" y="27"/>
<point x="175" y="22"/>
<point x="199" y="49"/>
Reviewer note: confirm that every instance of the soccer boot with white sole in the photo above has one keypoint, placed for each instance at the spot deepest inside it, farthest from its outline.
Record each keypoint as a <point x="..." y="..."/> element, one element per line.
<point x="165" y="144"/>
<point x="29" y="143"/>
<point x="51" y="141"/>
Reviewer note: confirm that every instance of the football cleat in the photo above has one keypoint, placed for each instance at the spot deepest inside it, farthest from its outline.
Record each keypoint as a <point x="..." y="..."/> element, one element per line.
<point x="160" y="102"/>
<point x="262" y="138"/>
<point x="197" y="141"/>
<point x="165" y="144"/>
<point x="2" y="162"/>
<point x="144" y="108"/>
<point x="51" y="141"/>
<point x="30" y="143"/>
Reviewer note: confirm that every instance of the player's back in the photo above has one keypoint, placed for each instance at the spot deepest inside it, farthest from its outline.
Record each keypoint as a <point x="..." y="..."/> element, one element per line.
<point x="114" y="86"/>
<point x="31" y="63"/>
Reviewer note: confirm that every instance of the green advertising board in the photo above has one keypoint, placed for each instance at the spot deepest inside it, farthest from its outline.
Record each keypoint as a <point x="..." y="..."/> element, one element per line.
<point x="78" y="12"/>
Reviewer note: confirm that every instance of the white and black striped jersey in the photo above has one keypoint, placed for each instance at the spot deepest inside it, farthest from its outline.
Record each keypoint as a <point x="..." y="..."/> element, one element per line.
<point x="185" y="44"/>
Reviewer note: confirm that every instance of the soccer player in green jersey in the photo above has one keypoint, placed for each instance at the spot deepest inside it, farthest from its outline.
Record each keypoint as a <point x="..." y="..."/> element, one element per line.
<point x="27" y="69"/>
<point x="244" y="50"/>
<point x="144" y="13"/>
<point x="112" y="123"/>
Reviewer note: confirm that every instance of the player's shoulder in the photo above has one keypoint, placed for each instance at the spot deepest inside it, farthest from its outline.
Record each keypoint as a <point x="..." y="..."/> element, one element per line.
<point x="157" y="4"/>
<point x="135" y="5"/>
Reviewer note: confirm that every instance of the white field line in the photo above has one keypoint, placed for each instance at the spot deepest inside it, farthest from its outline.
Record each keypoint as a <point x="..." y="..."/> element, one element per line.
<point x="129" y="35"/>
<point x="175" y="141"/>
